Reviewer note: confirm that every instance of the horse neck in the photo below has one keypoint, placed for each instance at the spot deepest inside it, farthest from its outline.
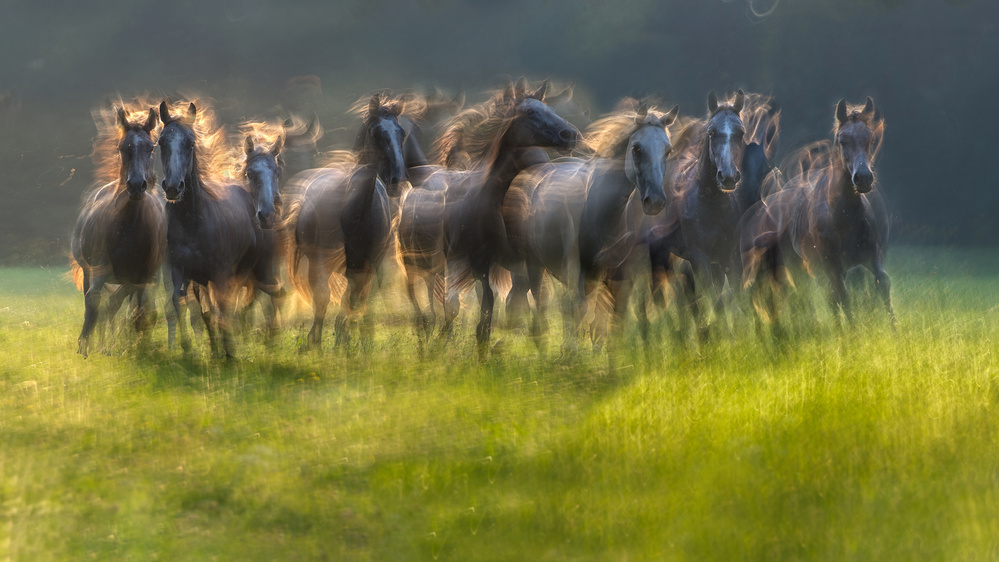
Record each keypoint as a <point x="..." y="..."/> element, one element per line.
<point x="846" y="202"/>
<point x="192" y="202"/>
<point x="608" y="193"/>
<point x="502" y="169"/>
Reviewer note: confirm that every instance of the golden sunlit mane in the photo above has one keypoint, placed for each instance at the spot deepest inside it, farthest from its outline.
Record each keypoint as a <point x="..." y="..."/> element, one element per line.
<point x="265" y="135"/>
<point x="215" y="160"/>
<point x="757" y="113"/>
<point x="107" y="162"/>
<point x="608" y="136"/>
<point x="413" y="104"/>
<point x="474" y="133"/>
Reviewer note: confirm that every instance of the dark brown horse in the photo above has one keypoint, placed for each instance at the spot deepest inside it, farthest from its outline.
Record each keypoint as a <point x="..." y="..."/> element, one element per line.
<point x="584" y="221"/>
<point x="341" y="220"/>
<point x="721" y="162"/>
<point x="214" y="235"/>
<point x="477" y="235"/>
<point x="120" y="233"/>
<point x="828" y="217"/>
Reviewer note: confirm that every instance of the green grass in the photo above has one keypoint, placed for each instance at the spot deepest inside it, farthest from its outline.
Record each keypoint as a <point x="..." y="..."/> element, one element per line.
<point x="855" y="444"/>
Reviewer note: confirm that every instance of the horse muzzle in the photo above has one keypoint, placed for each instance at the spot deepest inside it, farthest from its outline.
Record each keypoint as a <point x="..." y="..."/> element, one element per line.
<point x="173" y="192"/>
<point x="728" y="182"/>
<point x="863" y="182"/>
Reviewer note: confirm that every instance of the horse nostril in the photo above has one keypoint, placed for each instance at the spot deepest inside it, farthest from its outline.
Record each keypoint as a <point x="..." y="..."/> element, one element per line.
<point x="738" y="176"/>
<point x="720" y="177"/>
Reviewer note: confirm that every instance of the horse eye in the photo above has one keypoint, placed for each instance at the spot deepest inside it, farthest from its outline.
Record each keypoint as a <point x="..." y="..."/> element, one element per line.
<point x="636" y="149"/>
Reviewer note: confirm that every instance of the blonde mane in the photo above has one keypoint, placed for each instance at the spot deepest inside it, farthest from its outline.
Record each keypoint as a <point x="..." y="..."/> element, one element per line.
<point x="107" y="161"/>
<point x="472" y="134"/>
<point x="608" y="136"/>
<point x="215" y="159"/>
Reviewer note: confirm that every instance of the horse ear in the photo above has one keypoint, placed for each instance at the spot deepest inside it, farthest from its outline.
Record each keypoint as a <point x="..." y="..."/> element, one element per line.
<point x="278" y="145"/>
<point x="740" y="100"/>
<point x="459" y="98"/>
<point x="398" y="107"/>
<point x="712" y="102"/>
<point x="192" y="112"/>
<point x="539" y="94"/>
<point x="150" y="121"/>
<point x="670" y="116"/>
<point x="248" y="145"/>
<point x="841" y="111"/>
<point x="164" y="112"/>
<point x="373" y="106"/>
<point x="641" y="113"/>
<point x="520" y="90"/>
<point x="508" y="93"/>
<point x="120" y="118"/>
<point x="288" y="123"/>
<point x="868" y="111"/>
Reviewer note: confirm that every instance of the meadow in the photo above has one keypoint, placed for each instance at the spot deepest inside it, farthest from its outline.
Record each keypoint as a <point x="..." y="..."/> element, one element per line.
<point x="837" y="443"/>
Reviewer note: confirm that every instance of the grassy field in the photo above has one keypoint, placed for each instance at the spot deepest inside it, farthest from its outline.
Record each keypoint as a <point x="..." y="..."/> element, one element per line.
<point x="855" y="444"/>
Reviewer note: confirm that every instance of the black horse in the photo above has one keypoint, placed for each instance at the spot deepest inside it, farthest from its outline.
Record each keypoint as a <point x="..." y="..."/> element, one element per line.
<point x="477" y="234"/>
<point x="341" y="221"/>
<point x="118" y="237"/>
<point x="214" y="235"/>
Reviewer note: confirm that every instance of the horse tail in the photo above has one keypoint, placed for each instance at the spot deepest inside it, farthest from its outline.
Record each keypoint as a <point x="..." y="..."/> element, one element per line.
<point x="76" y="273"/>
<point x="292" y="251"/>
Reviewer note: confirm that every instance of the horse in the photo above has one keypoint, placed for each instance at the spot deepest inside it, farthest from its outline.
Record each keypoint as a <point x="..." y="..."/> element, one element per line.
<point x="119" y="234"/>
<point x="341" y="221"/>
<point x="712" y="192"/>
<point x="477" y="234"/>
<point x="214" y="234"/>
<point x="583" y="225"/>
<point x="828" y="215"/>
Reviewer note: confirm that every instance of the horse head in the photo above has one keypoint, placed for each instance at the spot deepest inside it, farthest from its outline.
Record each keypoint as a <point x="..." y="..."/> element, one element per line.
<point x="380" y="143"/>
<point x="135" y="147"/>
<point x="177" y="145"/>
<point x="262" y="173"/>
<point x="645" y="157"/>
<point x="534" y="123"/>
<point x="725" y="134"/>
<point x="858" y="137"/>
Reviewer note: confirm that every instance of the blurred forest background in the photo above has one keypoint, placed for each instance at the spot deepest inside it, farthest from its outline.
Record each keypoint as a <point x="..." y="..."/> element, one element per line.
<point x="930" y="64"/>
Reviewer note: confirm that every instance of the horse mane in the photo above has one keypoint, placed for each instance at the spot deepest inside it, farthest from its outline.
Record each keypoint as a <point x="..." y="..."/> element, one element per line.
<point x="107" y="162"/>
<point x="608" y="136"/>
<point x="265" y="135"/>
<point x="216" y="165"/>
<point x="473" y="134"/>
<point x="409" y="103"/>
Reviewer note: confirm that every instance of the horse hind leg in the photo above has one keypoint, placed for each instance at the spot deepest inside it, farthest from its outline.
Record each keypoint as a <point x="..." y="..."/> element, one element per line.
<point x="319" y="282"/>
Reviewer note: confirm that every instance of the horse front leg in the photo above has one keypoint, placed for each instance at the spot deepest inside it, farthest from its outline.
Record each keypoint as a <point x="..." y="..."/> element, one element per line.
<point x="91" y="304"/>
<point x="177" y="290"/>
<point x="483" y="331"/>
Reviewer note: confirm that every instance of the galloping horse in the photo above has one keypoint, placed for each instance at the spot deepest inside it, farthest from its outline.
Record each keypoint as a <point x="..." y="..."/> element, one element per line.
<point x="711" y="191"/>
<point x="828" y="215"/>
<point x="582" y="226"/>
<point x="118" y="237"/>
<point x="341" y="221"/>
<point x="214" y="235"/>
<point x="476" y="233"/>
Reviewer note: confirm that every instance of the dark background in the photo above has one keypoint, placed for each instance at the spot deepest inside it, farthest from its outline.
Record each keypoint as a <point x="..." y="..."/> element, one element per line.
<point x="930" y="64"/>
